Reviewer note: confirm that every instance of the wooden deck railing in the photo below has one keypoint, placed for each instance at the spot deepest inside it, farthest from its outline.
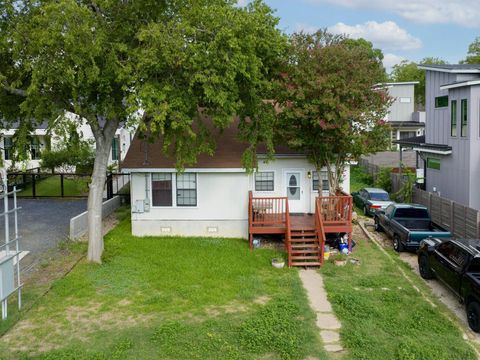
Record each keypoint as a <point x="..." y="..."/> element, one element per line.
<point x="336" y="209"/>
<point x="267" y="210"/>
<point x="288" y="234"/>
<point x="319" y="230"/>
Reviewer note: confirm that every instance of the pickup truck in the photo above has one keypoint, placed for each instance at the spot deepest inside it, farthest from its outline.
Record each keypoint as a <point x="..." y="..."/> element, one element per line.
<point x="456" y="263"/>
<point x="407" y="225"/>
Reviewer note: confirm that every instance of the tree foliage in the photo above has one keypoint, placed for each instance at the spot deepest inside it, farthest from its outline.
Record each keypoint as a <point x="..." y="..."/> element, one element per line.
<point x="159" y="63"/>
<point x="409" y="71"/>
<point x="69" y="150"/>
<point x="473" y="55"/>
<point x="330" y="109"/>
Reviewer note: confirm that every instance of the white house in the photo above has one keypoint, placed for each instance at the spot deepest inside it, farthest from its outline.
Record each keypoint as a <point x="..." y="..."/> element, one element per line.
<point x="212" y="198"/>
<point x="404" y="121"/>
<point x="43" y="138"/>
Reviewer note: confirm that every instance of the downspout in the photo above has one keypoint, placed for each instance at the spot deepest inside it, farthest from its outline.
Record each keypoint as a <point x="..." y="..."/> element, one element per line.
<point x="147" y="193"/>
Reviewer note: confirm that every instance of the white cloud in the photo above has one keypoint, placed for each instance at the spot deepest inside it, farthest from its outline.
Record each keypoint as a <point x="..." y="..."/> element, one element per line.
<point x="461" y="12"/>
<point x="389" y="60"/>
<point x="309" y="29"/>
<point x="387" y="35"/>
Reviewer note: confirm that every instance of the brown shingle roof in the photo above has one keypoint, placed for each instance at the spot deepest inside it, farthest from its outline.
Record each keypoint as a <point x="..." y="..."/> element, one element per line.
<point x="228" y="152"/>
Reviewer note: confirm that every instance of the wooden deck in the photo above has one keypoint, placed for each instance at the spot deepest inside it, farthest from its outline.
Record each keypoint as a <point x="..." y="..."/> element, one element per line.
<point x="304" y="233"/>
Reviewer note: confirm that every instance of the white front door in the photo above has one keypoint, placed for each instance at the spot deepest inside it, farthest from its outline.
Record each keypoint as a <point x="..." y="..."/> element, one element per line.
<point x="294" y="188"/>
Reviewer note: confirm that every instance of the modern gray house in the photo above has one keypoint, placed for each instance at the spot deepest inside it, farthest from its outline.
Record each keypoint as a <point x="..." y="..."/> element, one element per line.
<point x="451" y="146"/>
<point x="402" y="117"/>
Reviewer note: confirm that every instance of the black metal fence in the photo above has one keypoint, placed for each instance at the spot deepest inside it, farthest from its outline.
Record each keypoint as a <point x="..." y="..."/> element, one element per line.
<point x="65" y="185"/>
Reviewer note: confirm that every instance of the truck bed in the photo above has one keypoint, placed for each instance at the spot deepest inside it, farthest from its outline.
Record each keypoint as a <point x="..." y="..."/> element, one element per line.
<point x="420" y="225"/>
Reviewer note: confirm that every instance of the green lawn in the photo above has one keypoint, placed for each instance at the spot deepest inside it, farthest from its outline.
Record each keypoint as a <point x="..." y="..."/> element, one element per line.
<point x="170" y="298"/>
<point x="384" y="317"/>
<point x="50" y="186"/>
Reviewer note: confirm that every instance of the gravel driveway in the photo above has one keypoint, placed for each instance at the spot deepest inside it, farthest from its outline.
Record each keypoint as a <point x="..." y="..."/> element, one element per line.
<point x="43" y="223"/>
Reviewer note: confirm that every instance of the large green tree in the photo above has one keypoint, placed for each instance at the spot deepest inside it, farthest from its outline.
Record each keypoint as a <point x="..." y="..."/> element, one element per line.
<point x="330" y="109"/>
<point x="409" y="71"/>
<point x="473" y="55"/>
<point x="160" y="63"/>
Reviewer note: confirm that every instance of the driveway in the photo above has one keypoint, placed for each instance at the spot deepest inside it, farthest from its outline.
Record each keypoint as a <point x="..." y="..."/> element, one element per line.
<point x="42" y="223"/>
<point x="443" y="294"/>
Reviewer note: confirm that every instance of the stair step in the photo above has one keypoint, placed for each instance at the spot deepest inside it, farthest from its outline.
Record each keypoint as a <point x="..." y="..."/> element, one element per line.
<point x="296" y="263"/>
<point x="303" y="246"/>
<point x="304" y="257"/>
<point x="302" y="233"/>
<point x="305" y="251"/>
<point x="304" y="241"/>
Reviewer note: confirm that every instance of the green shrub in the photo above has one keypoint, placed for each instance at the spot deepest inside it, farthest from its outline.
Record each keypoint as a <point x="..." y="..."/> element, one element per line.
<point x="384" y="180"/>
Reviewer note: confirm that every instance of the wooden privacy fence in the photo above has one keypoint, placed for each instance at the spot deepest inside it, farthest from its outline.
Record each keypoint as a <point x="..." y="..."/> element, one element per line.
<point x="461" y="221"/>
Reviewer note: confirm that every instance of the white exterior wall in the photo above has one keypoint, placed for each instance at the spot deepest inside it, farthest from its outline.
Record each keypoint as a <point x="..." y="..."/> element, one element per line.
<point x="222" y="205"/>
<point x="29" y="164"/>
<point x="222" y="200"/>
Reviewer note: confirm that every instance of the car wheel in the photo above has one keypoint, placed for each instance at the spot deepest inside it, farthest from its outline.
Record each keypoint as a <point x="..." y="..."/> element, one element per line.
<point x="424" y="267"/>
<point x="378" y="228"/>
<point x="365" y="211"/>
<point x="473" y="315"/>
<point x="397" y="244"/>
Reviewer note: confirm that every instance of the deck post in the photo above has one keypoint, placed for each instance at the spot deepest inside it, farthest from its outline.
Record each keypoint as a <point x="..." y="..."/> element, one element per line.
<point x="250" y="214"/>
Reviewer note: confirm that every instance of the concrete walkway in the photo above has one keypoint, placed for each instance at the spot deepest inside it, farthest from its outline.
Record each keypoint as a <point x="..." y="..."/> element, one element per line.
<point x="327" y="322"/>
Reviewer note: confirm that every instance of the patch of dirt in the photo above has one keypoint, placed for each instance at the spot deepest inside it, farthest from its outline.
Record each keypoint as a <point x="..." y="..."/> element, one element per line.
<point x="75" y="323"/>
<point x="262" y="300"/>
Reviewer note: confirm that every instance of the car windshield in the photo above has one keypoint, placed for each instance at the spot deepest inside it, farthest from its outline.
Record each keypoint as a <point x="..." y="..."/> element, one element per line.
<point x="413" y="213"/>
<point x="379" y="196"/>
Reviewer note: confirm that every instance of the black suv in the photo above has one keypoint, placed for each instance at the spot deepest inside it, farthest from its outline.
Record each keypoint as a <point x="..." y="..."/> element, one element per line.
<point x="457" y="264"/>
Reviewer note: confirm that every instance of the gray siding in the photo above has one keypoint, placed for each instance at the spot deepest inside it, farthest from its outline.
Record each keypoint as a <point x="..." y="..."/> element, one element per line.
<point x="401" y="111"/>
<point x="459" y="176"/>
<point x="474" y="122"/>
<point x="437" y="128"/>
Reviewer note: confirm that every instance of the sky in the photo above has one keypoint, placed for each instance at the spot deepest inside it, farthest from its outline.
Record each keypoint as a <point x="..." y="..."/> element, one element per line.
<point x="402" y="29"/>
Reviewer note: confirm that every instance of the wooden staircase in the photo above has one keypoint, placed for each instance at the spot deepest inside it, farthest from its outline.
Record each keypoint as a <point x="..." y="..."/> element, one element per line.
<point x="305" y="249"/>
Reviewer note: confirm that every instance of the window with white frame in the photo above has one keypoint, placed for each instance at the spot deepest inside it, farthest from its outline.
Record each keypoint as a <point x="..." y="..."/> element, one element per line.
<point x="7" y="145"/>
<point x="264" y="181"/>
<point x="187" y="189"/>
<point x="316" y="180"/>
<point x="162" y="189"/>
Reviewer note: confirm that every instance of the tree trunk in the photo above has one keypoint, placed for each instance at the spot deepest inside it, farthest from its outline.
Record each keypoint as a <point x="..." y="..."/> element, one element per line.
<point x="103" y="144"/>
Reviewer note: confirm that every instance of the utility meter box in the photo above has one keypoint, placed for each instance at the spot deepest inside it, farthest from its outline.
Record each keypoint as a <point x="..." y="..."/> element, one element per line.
<point x="7" y="277"/>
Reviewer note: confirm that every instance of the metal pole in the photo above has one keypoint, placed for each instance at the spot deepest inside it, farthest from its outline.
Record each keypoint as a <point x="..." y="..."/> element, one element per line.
<point x="6" y="217"/>
<point x="17" y="248"/>
<point x="34" y="191"/>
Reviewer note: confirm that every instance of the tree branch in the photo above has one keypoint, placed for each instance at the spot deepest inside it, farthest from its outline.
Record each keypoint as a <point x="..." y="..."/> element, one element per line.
<point x="13" y="91"/>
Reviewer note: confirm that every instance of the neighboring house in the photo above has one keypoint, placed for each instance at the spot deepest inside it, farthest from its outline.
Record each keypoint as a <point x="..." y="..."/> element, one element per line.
<point x="451" y="146"/>
<point x="42" y="138"/>
<point x="212" y="197"/>
<point x="39" y="140"/>
<point x="402" y="117"/>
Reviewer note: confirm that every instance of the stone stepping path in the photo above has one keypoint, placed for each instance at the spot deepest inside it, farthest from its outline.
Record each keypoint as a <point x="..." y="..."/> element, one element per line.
<point x="327" y="322"/>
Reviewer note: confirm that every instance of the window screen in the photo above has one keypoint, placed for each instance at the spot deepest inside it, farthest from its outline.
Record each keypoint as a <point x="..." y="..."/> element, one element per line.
<point x="187" y="189"/>
<point x="115" y="149"/>
<point x="162" y="189"/>
<point x="35" y="148"/>
<point x="7" y="145"/>
<point x="316" y="180"/>
<point x="264" y="181"/>
<point x="464" y="118"/>
<point x="453" y="118"/>
<point x="441" y="101"/>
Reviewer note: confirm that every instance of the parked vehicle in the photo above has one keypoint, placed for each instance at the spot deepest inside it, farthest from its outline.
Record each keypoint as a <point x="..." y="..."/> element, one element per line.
<point x="371" y="199"/>
<point x="408" y="225"/>
<point x="457" y="264"/>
